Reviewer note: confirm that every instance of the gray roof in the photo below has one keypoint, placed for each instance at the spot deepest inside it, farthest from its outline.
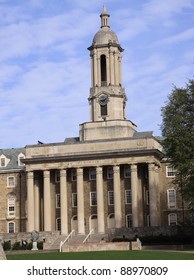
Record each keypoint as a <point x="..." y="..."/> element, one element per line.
<point x="104" y="36"/>
<point x="12" y="155"/>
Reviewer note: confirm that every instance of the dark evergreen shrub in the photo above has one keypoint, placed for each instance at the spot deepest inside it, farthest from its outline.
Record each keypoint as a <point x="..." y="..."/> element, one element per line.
<point x="7" y="246"/>
<point x="17" y="246"/>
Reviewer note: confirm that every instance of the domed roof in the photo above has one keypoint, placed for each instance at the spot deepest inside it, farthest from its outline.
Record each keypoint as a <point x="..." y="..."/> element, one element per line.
<point x="104" y="36"/>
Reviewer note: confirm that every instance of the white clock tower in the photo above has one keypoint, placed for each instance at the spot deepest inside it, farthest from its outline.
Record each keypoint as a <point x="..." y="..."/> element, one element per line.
<point x="107" y="96"/>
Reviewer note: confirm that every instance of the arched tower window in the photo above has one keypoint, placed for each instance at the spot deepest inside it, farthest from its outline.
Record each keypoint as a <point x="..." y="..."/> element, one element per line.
<point x="103" y="109"/>
<point x="103" y="70"/>
<point x="103" y="100"/>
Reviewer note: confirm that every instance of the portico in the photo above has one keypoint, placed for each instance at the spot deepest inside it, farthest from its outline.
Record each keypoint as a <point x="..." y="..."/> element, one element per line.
<point x="133" y="179"/>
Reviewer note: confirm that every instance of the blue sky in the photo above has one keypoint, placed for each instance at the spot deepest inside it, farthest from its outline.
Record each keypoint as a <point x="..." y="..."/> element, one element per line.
<point x="45" y="64"/>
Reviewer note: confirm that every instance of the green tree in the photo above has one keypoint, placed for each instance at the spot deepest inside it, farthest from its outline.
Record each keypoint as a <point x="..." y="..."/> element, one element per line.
<point x="178" y="132"/>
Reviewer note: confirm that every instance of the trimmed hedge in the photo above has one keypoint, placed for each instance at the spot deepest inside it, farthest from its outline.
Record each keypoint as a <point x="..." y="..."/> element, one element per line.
<point x="7" y="246"/>
<point x="159" y="240"/>
<point x="17" y="246"/>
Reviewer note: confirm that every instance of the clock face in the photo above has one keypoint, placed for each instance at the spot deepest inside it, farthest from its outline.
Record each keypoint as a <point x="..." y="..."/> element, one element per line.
<point x="103" y="100"/>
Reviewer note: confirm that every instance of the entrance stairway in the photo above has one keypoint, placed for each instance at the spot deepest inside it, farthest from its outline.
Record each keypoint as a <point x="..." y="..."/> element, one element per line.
<point x="54" y="245"/>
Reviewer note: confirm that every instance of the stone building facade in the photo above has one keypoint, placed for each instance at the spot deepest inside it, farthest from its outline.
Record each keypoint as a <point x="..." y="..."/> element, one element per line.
<point x="111" y="176"/>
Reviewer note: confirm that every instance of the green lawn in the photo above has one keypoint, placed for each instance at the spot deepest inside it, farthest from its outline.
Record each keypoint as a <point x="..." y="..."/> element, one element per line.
<point x="108" y="255"/>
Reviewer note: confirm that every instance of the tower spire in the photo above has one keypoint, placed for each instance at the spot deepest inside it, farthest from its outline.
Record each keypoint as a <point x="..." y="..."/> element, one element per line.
<point x="104" y="18"/>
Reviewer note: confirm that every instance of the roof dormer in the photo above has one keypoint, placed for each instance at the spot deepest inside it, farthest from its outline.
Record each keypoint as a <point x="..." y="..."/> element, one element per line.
<point x="4" y="160"/>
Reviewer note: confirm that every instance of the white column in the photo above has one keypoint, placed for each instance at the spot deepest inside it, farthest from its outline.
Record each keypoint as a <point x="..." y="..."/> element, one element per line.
<point x="117" y="196"/>
<point x="134" y="194"/>
<point x="99" y="71"/>
<point x="47" y="201"/>
<point x="157" y="184"/>
<point x="92" y="71"/>
<point x="152" y="195"/>
<point x="120" y="69"/>
<point x="63" y="197"/>
<point x="107" y="70"/>
<point x="30" y="201"/>
<point x="80" y="201"/>
<point x="100" y="200"/>
<point x="111" y="66"/>
<point x="116" y="68"/>
<point x="37" y="203"/>
<point x="95" y="69"/>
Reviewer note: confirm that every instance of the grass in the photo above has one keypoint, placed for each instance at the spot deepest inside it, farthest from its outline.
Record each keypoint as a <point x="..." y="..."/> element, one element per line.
<point x="105" y="255"/>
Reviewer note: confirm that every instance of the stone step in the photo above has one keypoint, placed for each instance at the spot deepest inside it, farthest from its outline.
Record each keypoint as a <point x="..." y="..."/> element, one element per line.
<point x="76" y="239"/>
<point x="98" y="238"/>
<point x="58" y="241"/>
<point x="55" y="244"/>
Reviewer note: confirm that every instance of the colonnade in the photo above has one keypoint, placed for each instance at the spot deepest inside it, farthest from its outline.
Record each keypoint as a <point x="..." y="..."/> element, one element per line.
<point x="33" y="199"/>
<point x="113" y="67"/>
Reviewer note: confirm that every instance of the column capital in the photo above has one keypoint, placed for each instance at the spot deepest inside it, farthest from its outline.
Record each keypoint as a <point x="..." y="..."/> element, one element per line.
<point x="30" y="175"/>
<point x="79" y="171"/>
<point x="46" y="173"/>
<point x="63" y="172"/>
<point x="151" y="166"/>
<point x="133" y="167"/>
<point x="116" y="168"/>
<point x="156" y="168"/>
<point x="98" y="169"/>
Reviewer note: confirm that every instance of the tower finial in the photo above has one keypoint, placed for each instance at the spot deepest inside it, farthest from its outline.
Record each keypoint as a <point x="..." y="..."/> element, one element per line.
<point x="104" y="9"/>
<point x="104" y="18"/>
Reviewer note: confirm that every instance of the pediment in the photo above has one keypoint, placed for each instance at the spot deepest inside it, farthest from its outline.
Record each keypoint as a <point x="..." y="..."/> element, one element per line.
<point x="103" y="92"/>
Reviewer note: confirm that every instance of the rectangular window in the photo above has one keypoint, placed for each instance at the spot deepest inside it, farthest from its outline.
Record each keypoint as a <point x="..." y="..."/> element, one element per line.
<point x="58" y="200"/>
<point x="11" y="207"/>
<point x="2" y="162"/>
<point x="73" y="175"/>
<point x="20" y="163"/>
<point x="170" y="171"/>
<point x="128" y="199"/>
<point x="109" y="173"/>
<point x="92" y="174"/>
<point x="58" y="224"/>
<point x="172" y="219"/>
<point x="74" y="199"/>
<point x="103" y="109"/>
<point x="171" y="198"/>
<point x="93" y="199"/>
<point x="57" y="176"/>
<point x="129" y="221"/>
<point x="127" y="172"/>
<point x="11" y="182"/>
<point x="11" y="227"/>
<point x="110" y="198"/>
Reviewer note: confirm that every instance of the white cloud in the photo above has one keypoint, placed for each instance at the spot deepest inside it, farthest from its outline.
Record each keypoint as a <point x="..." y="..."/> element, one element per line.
<point x="45" y="65"/>
<point x="164" y="10"/>
<point x="178" y="38"/>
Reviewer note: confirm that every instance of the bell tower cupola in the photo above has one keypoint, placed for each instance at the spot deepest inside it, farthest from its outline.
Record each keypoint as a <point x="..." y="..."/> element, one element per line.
<point x="104" y="18"/>
<point x="107" y="97"/>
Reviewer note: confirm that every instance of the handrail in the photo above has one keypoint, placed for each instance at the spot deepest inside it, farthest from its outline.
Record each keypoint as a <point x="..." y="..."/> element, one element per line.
<point x="88" y="235"/>
<point x="66" y="240"/>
